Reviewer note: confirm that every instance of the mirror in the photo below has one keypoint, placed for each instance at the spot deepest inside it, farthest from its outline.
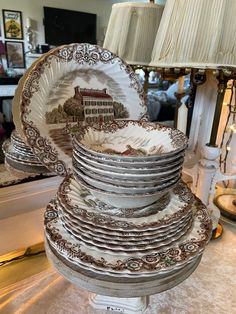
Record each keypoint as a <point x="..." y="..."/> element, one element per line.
<point x="161" y="97"/>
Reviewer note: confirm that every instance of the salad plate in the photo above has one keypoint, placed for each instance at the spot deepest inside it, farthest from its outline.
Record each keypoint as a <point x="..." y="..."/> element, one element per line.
<point x="124" y="235"/>
<point x="126" y="248"/>
<point x="82" y="204"/>
<point x="127" y="200"/>
<point x="69" y="86"/>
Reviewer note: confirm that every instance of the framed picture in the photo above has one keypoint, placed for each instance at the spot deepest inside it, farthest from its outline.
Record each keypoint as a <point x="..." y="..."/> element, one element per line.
<point x="15" y="54"/>
<point x="12" y="22"/>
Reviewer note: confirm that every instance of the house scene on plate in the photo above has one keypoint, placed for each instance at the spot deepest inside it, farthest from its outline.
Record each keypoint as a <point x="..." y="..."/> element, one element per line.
<point x="117" y="156"/>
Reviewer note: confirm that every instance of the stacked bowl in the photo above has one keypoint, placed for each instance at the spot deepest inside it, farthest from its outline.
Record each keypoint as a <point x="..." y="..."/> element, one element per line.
<point x="128" y="164"/>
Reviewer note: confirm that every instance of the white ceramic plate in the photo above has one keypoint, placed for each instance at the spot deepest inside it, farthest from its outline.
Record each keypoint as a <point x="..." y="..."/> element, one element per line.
<point x="20" y="161"/>
<point x="70" y="83"/>
<point x="131" y="140"/>
<point x="150" y="239"/>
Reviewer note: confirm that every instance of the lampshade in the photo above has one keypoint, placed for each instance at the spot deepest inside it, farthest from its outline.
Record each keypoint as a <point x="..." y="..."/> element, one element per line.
<point x="132" y="29"/>
<point x="196" y="34"/>
<point x="2" y="48"/>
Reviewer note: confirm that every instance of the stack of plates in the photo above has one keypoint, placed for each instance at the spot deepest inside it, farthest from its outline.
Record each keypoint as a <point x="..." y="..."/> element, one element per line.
<point x="128" y="163"/>
<point x="19" y="156"/>
<point x="90" y="221"/>
<point x="124" y="212"/>
<point x="87" y="234"/>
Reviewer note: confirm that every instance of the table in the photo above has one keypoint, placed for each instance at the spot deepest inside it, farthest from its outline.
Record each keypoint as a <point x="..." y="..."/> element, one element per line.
<point x="209" y="290"/>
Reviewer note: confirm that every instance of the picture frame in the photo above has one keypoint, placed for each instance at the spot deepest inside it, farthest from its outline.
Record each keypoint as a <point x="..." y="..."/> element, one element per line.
<point x="15" y="54"/>
<point x="12" y="23"/>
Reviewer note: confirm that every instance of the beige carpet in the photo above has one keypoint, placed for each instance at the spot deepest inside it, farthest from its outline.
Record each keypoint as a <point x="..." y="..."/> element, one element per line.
<point x="210" y="289"/>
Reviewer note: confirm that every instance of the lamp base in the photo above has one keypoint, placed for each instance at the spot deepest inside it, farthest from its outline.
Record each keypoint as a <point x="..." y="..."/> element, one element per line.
<point x="227" y="204"/>
<point x="217" y="232"/>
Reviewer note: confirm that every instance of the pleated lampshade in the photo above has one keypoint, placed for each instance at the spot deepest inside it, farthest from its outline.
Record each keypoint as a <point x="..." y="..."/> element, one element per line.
<point x="196" y="34"/>
<point x="132" y="29"/>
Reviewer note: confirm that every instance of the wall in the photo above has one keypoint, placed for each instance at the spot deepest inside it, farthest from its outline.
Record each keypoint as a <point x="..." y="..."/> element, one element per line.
<point x="34" y="10"/>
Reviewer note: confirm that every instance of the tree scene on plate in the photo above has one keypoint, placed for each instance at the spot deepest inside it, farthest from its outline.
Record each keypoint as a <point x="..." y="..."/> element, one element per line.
<point x="85" y="106"/>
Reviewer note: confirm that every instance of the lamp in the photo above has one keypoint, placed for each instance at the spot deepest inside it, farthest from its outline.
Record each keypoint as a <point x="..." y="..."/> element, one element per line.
<point x="131" y="32"/>
<point x="199" y="35"/>
<point x="2" y="52"/>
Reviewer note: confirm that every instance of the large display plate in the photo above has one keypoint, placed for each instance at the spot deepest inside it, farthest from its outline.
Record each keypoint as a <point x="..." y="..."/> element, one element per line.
<point x="70" y="84"/>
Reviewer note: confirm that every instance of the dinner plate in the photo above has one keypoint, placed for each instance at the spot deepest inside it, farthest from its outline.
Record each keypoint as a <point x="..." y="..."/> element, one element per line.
<point x="162" y="276"/>
<point x="72" y="85"/>
<point x="20" y="156"/>
<point x="172" y="257"/>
